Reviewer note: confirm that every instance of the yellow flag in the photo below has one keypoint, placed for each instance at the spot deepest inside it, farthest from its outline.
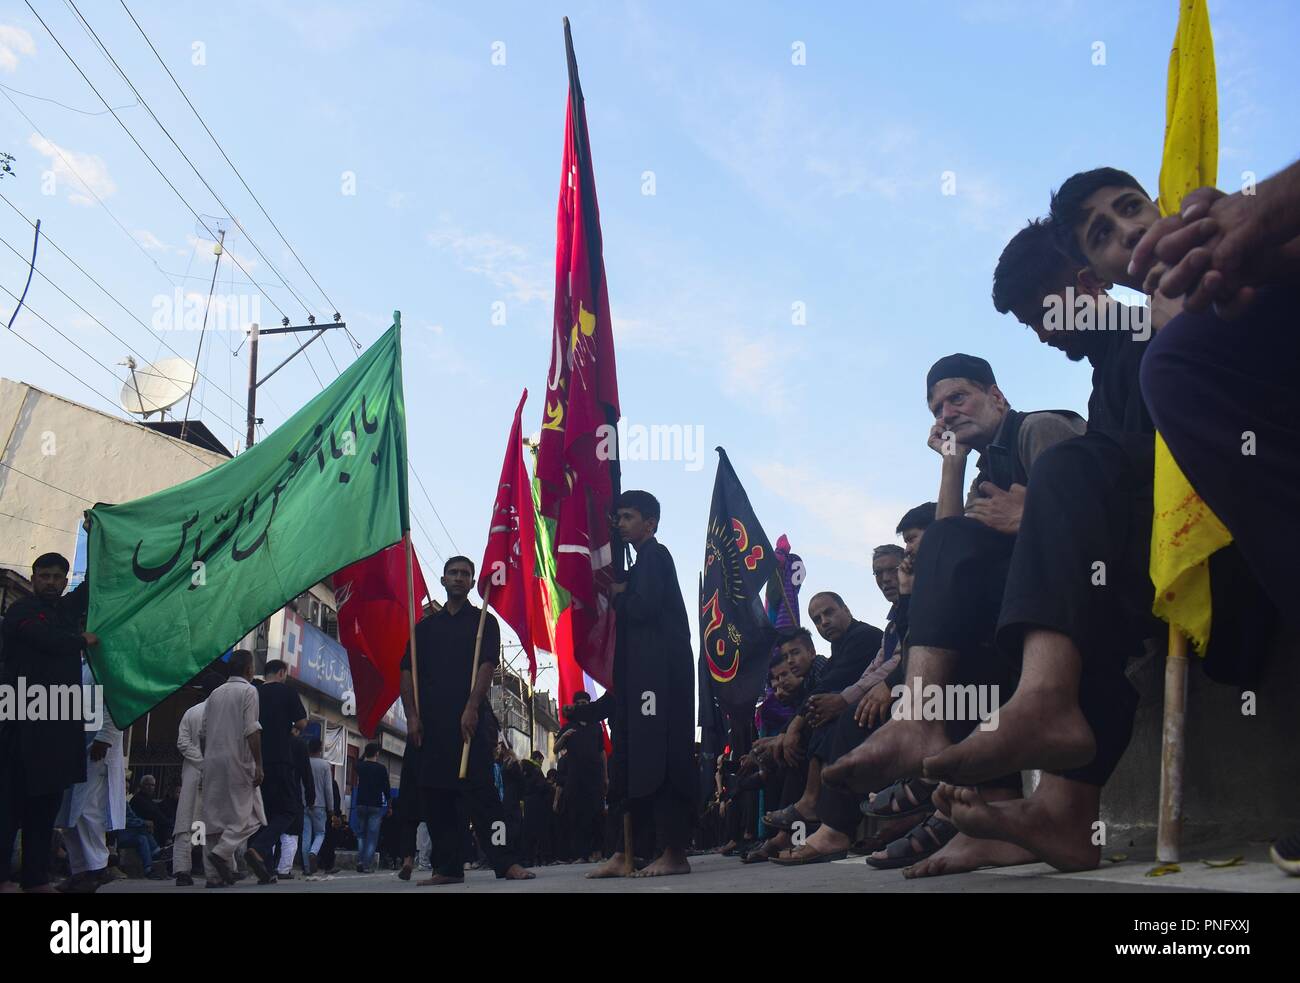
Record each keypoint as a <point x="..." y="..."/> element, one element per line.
<point x="1184" y="532"/>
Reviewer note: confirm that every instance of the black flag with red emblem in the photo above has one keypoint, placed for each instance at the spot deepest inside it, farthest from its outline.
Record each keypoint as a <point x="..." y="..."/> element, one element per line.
<point x="736" y="635"/>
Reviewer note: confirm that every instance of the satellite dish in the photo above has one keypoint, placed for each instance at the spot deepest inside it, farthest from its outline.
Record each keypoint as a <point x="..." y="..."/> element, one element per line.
<point x="154" y="388"/>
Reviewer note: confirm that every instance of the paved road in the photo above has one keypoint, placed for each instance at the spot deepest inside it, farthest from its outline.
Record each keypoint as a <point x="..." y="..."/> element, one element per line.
<point x="723" y="874"/>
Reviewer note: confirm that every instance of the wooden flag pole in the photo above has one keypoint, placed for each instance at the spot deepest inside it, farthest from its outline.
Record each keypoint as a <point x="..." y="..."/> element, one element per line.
<point x="629" y="852"/>
<point x="1169" y="832"/>
<point x="473" y="675"/>
<point x="410" y="593"/>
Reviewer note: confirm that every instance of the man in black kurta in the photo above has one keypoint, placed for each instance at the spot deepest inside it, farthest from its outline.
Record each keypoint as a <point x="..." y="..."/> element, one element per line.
<point x="454" y="708"/>
<point x="43" y="642"/>
<point x="652" y="702"/>
<point x="583" y="783"/>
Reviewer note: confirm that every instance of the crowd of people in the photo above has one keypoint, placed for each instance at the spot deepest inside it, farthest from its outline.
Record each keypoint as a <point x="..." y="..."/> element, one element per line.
<point x="1017" y="601"/>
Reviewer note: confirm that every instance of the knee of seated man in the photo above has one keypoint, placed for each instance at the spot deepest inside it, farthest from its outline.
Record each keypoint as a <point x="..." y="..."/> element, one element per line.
<point x="1059" y="471"/>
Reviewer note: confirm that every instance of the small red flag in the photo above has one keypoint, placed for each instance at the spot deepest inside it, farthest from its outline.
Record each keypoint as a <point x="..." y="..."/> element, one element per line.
<point x="374" y="627"/>
<point x="507" y="576"/>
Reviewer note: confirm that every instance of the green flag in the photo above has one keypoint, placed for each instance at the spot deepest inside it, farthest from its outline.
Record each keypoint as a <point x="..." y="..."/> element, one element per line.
<point x="178" y="577"/>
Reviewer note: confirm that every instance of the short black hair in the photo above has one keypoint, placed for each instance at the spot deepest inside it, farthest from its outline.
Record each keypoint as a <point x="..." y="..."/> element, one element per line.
<point x="581" y="693"/>
<point x="917" y="518"/>
<point x="1068" y="199"/>
<point x="1031" y="266"/>
<point x="827" y="593"/>
<point x="314" y="746"/>
<point x="802" y="634"/>
<point x="457" y="559"/>
<point x="241" y="660"/>
<point x="888" y="549"/>
<point x="371" y="750"/>
<point x="642" y="501"/>
<point x="46" y="560"/>
<point x="273" y="666"/>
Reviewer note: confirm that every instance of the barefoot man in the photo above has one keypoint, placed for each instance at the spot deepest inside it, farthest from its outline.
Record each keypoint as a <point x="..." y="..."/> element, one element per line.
<point x="652" y="702"/>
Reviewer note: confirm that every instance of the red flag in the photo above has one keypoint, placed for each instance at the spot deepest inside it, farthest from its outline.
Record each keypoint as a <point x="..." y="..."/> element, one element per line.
<point x="374" y="627"/>
<point x="577" y="463"/>
<point x="507" y="576"/>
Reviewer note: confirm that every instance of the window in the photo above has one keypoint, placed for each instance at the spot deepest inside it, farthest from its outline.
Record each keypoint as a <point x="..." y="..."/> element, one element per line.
<point x="330" y="621"/>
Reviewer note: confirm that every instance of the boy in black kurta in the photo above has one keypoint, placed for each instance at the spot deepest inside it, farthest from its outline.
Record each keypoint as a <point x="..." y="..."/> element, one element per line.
<point x="652" y="702"/>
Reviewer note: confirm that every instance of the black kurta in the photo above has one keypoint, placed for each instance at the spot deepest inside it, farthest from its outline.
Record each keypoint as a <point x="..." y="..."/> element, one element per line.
<point x="445" y="647"/>
<point x="43" y="645"/>
<point x="654" y="670"/>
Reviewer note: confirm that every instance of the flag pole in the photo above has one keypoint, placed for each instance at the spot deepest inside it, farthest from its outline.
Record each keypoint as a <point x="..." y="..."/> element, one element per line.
<point x="410" y="593"/>
<point x="1169" y="831"/>
<point x="478" y="645"/>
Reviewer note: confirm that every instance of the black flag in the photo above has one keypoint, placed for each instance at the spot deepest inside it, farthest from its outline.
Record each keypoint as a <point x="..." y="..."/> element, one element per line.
<point x="735" y="633"/>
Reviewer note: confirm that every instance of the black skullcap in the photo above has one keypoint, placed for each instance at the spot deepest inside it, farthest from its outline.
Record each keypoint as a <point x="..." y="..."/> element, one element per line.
<point x="959" y="366"/>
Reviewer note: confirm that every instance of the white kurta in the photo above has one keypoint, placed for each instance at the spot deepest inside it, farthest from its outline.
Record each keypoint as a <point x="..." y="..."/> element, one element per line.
<point x="187" y="809"/>
<point x="232" y="804"/>
<point x="93" y="807"/>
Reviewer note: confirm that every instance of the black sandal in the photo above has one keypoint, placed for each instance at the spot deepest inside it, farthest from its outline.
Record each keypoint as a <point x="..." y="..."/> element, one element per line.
<point x="932" y="836"/>
<point x="911" y="794"/>
<point x="784" y="819"/>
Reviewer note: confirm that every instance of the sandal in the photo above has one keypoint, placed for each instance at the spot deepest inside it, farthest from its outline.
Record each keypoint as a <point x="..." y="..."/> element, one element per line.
<point x="816" y="858"/>
<point x="784" y="819"/>
<point x="910" y="795"/>
<point x="932" y="835"/>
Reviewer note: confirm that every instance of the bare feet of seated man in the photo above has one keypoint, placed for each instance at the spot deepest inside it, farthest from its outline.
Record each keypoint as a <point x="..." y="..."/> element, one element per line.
<point x="895" y="751"/>
<point x="964" y="852"/>
<point x="1055" y="824"/>
<point x="1039" y="728"/>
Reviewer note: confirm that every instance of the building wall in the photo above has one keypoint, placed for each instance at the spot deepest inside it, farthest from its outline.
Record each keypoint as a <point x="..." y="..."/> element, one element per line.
<point x="93" y="455"/>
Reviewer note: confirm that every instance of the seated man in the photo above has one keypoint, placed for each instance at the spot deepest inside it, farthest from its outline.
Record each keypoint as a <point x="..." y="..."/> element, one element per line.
<point x="1219" y="383"/>
<point x="846" y="717"/>
<point x="1078" y="597"/>
<point x="782" y="772"/>
<point x="961" y="574"/>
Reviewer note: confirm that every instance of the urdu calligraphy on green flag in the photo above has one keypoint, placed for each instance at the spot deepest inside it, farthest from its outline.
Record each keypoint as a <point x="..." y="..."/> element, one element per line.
<point x="180" y="576"/>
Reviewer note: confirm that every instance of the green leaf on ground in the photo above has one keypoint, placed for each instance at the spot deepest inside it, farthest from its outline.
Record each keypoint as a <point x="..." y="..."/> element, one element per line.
<point x="1160" y="870"/>
<point x="1231" y="862"/>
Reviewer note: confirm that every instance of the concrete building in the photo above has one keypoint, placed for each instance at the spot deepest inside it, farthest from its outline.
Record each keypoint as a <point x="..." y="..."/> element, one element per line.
<point x="530" y="720"/>
<point x="59" y="458"/>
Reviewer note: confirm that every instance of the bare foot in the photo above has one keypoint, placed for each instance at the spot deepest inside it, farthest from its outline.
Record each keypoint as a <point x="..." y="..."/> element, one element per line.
<point x="1059" y="836"/>
<point x="615" y="866"/>
<point x="437" y="880"/>
<point x="669" y="862"/>
<point x="965" y="853"/>
<point x="516" y="873"/>
<point x="1032" y="730"/>
<point x="894" y="751"/>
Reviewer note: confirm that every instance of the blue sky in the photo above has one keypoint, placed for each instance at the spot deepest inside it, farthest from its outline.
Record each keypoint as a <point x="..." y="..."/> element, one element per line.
<point x="775" y="184"/>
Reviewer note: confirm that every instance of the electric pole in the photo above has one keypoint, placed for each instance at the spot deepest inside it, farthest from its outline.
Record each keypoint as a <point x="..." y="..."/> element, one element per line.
<point x="254" y="383"/>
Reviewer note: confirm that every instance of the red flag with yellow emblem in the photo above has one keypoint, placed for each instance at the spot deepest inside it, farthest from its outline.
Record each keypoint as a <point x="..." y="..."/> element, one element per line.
<point x="577" y="463"/>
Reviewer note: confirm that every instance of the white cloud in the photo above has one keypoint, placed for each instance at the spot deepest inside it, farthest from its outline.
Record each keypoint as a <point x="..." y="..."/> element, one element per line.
<point x="507" y="265"/>
<point x="151" y="243"/>
<point x="79" y="171"/>
<point x="856" y="521"/>
<point x="14" y="41"/>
